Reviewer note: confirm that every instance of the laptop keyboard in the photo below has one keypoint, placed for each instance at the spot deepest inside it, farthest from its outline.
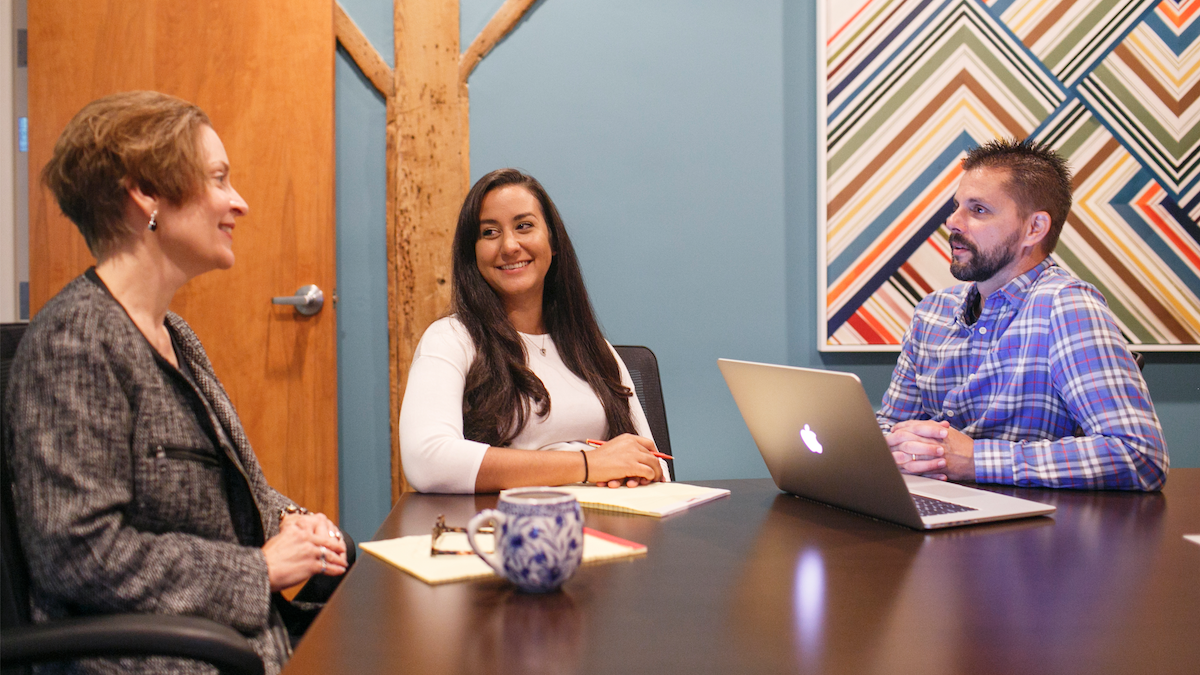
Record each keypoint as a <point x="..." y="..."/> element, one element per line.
<point x="936" y="507"/>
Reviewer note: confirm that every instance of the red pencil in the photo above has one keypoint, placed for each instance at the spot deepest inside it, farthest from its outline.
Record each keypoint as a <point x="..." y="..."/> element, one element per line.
<point x="595" y="444"/>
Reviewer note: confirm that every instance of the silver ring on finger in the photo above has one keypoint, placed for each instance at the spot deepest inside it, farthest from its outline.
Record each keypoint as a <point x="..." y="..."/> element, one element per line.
<point x="324" y="566"/>
<point x="322" y="555"/>
<point x="914" y="457"/>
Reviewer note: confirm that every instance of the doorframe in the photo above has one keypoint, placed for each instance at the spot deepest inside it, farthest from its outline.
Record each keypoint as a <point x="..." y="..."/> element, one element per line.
<point x="14" y="239"/>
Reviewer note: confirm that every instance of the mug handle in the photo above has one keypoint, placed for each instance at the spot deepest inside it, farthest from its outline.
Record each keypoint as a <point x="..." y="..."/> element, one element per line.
<point x="496" y="518"/>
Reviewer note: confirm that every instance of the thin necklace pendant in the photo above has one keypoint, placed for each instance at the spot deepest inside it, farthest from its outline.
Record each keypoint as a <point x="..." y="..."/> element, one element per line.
<point x="542" y="347"/>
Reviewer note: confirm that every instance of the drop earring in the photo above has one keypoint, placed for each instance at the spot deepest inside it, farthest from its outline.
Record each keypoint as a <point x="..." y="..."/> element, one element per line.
<point x="153" y="226"/>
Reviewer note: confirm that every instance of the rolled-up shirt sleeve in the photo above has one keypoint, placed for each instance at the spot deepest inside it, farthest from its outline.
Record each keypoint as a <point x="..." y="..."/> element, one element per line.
<point x="435" y="455"/>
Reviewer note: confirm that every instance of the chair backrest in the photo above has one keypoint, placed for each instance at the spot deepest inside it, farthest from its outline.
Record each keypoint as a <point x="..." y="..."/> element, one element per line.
<point x="643" y="370"/>
<point x="14" y="584"/>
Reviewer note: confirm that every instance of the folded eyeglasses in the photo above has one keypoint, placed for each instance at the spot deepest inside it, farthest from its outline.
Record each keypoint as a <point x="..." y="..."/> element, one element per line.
<point x="440" y="527"/>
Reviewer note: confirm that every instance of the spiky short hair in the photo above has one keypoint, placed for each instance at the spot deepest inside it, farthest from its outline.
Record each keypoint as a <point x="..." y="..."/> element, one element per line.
<point x="1038" y="178"/>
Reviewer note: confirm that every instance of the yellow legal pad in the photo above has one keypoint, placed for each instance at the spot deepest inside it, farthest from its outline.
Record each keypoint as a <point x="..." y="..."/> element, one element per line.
<point x="411" y="554"/>
<point x="655" y="499"/>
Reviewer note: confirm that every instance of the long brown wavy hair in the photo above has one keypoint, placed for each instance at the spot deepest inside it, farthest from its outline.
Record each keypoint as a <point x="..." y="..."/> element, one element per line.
<point x="501" y="390"/>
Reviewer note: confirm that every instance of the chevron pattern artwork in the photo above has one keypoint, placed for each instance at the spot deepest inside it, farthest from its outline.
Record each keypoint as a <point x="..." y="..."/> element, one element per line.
<point x="910" y="85"/>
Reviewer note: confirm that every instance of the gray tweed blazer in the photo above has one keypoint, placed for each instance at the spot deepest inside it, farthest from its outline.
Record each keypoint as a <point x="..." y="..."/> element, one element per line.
<point x="135" y="491"/>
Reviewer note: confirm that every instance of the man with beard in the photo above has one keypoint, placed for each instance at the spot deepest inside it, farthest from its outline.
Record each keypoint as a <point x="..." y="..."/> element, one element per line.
<point x="1021" y="375"/>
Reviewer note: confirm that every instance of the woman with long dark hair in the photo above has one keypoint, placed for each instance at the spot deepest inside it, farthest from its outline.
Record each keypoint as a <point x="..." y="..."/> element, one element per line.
<point x="520" y="365"/>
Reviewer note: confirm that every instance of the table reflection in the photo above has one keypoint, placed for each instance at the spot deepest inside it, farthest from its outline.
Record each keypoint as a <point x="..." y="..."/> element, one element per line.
<point x="527" y="633"/>
<point x="799" y="590"/>
<point x="764" y="582"/>
<point x="1014" y="590"/>
<point x="808" y="601"/>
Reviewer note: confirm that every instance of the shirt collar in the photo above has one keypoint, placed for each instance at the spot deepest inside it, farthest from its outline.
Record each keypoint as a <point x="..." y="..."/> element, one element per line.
<point x="1013" y="292"/>
<point x="1016" y="290"/>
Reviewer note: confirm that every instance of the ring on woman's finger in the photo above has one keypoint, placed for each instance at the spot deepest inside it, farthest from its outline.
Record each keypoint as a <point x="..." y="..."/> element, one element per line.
<point x="914" y="457"/>
<point x="324" y="566"/>
<point x="335" y="533"/>
<point x="322" y="557"/>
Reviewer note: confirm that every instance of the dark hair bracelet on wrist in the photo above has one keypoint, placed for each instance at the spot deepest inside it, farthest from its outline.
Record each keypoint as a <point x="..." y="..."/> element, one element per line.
<point x="585" y="466"/>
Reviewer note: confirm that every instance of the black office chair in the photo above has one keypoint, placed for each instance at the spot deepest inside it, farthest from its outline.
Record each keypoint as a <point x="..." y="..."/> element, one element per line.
<point x="643" y="370"/>
<point x="114" y="635"/>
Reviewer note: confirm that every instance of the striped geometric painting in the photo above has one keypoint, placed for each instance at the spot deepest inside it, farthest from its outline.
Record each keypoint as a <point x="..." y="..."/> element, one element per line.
<point x="910" y="85"/>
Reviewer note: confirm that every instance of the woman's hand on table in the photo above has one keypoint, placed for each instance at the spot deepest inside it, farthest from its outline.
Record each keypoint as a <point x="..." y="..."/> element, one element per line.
<point x="625" y="460"/>
<point x="307" y="545"/>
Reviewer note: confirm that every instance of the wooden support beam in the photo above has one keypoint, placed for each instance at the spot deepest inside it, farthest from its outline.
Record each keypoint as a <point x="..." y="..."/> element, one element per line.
<point x="502" y="22"/>
<point x="428" y="163"/>
<point x="359" y="48"/>
<point x="425" y="183"/>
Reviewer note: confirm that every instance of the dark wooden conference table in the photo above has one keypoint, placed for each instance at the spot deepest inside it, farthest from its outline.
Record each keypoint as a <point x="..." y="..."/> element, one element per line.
<point x="764" y="582"/>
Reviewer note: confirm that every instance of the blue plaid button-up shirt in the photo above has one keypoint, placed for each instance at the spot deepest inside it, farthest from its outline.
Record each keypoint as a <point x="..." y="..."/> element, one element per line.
<point x="1043" y="382"/>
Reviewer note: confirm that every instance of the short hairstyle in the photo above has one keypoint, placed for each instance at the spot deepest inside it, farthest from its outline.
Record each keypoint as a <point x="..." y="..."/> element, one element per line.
<point x="136" y="138"/>
<point x="1038" y="179"/>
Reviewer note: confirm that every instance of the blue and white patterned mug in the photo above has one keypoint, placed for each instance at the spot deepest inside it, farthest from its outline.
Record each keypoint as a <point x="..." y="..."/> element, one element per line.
<point x="539" y="537"/>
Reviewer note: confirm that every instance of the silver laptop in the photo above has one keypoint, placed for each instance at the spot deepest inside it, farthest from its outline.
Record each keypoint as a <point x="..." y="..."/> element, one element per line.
<point x="817" y="433"/>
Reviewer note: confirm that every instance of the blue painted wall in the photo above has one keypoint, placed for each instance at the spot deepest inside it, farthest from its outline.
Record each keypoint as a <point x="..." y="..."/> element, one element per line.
<point x="678" y="139"/>
<point x="364" y="409"/>
<point x="658" y="130"/>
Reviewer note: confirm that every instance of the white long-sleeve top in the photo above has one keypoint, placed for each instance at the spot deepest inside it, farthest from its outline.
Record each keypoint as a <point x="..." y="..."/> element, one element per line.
<point x="436" y="457"/>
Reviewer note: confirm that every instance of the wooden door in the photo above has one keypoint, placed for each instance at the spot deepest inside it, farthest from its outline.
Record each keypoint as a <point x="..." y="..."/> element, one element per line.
<point x="263" y="71"/>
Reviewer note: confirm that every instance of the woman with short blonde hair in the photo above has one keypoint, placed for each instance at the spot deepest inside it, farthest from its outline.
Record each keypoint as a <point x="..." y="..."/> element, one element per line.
<point x="135" y="487"/>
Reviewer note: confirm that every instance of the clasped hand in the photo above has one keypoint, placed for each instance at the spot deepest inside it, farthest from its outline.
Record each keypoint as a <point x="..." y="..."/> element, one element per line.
<point x="307" y="544"/>
<point x="625" y="460"/>
<point x="933" y="449"/>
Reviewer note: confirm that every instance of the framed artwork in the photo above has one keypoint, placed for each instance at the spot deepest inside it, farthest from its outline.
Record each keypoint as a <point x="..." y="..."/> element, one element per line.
<point x="910" y="85"/>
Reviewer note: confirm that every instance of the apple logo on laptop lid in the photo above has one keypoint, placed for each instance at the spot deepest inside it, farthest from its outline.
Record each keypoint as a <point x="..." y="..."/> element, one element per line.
<point x="810" y="439"/>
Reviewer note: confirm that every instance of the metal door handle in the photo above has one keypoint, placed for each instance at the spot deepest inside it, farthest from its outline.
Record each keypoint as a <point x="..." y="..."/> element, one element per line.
<point x="308" y="300"/>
